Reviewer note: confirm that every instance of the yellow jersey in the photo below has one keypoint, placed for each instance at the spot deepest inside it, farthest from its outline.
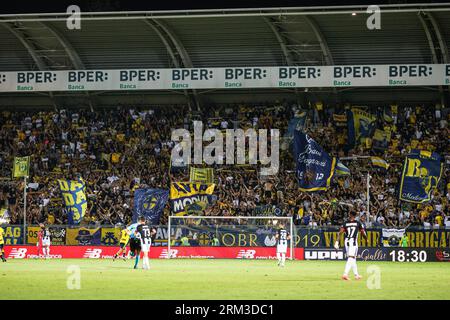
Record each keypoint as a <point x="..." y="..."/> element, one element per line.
<point x="124" y="236"/>
<point x="2" y="233"/>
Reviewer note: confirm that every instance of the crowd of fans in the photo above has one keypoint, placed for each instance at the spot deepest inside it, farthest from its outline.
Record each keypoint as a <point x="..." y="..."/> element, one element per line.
<point x="118" y="150"/>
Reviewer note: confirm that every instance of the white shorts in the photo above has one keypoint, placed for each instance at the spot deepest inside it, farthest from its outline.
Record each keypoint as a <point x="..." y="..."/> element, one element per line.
<point x="351" y="248"/>
<point x="145" y="247"/>
<point x="281" y="248"/>
<point x="46" y="243"/>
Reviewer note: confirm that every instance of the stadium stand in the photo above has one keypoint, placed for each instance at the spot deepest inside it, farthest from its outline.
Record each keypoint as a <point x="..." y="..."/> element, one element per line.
<point x="122" y="149"/>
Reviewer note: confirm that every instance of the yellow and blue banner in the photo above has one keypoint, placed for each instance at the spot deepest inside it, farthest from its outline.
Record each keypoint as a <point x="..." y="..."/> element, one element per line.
<point x="202" y="175"/>
<point x="315" y="167"/>
<point x="360" y="125"/>
<point x="182" y="195"/>
<point x="341" y="169"/>
<point x="340" y="120"/>
<point x="379" y="162"/>
<point x="74" y="199"/>
<point x="421" y="173"/>
<point x="149" y="203"/>
<point x="21" y="167"/>
<point x="381" y="139"/>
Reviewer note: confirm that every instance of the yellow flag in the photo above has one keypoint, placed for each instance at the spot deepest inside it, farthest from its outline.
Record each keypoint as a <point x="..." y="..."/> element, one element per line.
<point x="21" y="167"/>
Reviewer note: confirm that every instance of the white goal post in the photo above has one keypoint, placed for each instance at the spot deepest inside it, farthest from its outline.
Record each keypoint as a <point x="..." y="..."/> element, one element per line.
<point x="289" y="225"/>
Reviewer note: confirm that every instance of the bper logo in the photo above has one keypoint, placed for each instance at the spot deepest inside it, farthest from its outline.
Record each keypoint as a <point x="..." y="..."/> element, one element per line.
<point x="246" y="254"/>
<point x="324" y="255"/>
<point x="92" y="253"/>
<point x="17" y="253"/>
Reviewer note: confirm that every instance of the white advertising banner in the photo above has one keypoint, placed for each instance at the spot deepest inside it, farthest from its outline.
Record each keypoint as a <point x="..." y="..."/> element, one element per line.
<point x="227" y="78"/>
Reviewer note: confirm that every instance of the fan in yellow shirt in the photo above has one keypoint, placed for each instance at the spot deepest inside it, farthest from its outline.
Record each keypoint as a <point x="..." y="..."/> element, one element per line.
<point x="2" y="243"/>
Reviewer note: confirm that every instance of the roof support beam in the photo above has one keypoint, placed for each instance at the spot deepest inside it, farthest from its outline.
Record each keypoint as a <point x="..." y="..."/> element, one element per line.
<point x="75" y="59"/>
<point x="68" y="48"/>
<point x="175" y="48"/>
<point x="431" y="35"/>
<point x="281" y="40"/>
<point x="32" y="52"/>
<point x="323" y="44"/>
<point x="437" y="30"/>
<point x="165" y="41"/>
<point x="169" y="49"/>
<point x="321" y="39"/>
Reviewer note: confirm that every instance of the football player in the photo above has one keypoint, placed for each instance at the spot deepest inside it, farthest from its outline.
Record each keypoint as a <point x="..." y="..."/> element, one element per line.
<point x="46" y="241"/>
<point x="145" y="234"/>
<point x="124" y="239"/>
<point x="351" y="228"/>
<point x="282" y="237"/>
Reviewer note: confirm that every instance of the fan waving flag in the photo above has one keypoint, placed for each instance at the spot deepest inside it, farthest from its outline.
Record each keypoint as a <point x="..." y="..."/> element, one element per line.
<point x="315" y="167"/>
<point x="149" y="203"/>
<point x="421" y="173"/>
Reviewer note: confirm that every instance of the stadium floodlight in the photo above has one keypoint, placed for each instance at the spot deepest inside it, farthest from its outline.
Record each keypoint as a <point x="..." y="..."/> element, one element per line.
<point x="215" y="225"/>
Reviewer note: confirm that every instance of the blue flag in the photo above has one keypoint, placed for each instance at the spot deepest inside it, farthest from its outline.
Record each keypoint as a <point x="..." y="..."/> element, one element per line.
<point x="421" y="173"/>
<point x="296" y="123"/>
<point x="149" y="203"/>
<point x="315" y="167"/>
<point x="360" y="125"/>
<point x="74" y="199"/>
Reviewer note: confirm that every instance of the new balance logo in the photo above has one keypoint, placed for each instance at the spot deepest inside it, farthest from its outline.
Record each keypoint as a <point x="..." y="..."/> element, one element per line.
<point x="246" y="254"/>
<point x="92" y="253"/>
<point x="17" y="253"/>
<point x="164" y="253"/>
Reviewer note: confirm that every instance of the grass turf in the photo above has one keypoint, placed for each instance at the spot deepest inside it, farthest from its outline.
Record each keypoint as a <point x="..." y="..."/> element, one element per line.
<point x="219" y="279"/>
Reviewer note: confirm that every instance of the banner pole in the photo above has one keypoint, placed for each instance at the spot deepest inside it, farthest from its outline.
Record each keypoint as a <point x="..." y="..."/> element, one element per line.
<point x="24" y="209"/>
<point x="368" y="198"/>
<point x="292" y="237"/>
<point x="168" y="238"/>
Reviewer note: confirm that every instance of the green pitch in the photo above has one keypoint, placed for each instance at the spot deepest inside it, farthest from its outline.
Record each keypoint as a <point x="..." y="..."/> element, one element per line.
<point x="219" y="279"/>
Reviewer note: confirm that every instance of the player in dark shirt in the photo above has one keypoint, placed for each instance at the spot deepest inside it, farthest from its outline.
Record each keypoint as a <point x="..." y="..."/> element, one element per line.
<point x="351" y="229"/>
<point x="145" y="234"/>
<point x="282" y="237"/>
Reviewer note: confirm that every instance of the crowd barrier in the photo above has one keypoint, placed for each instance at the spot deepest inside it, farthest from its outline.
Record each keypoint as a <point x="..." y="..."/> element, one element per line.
<point x="226" y="236"/>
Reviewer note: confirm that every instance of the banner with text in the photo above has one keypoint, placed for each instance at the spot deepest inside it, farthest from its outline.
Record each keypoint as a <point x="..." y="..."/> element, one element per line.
<point x="227" y="78"/>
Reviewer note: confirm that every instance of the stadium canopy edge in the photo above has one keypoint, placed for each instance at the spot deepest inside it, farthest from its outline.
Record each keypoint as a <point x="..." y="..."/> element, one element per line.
<point x="217" y="13"/>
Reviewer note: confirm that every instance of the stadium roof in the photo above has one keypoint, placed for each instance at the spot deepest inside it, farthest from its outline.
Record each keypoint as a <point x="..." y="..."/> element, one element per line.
<point x="417" y="33"/>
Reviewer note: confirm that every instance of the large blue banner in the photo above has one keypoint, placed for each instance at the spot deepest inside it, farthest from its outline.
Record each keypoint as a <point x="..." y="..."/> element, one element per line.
<point x="421" y="173"/>
<point x="74" y="199"/>
<point x="149" y="203"/>
<point x="315" y="167"/>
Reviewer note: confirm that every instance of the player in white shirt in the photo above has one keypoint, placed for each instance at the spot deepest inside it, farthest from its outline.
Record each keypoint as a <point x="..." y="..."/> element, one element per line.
<point x="46" y="241"/>
<point x="282" y="237"/>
